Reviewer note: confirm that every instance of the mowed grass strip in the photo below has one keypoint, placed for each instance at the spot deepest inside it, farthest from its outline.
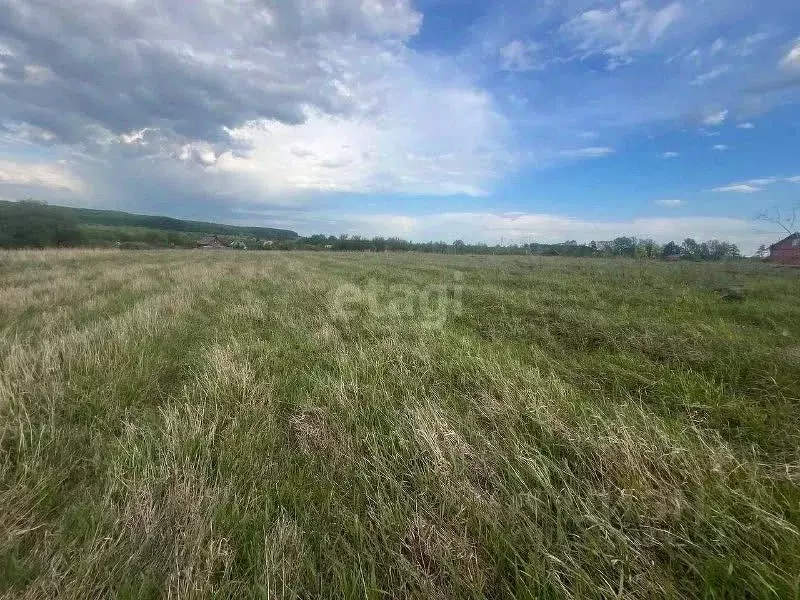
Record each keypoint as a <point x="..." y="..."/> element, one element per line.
<point x="208" y="424"/>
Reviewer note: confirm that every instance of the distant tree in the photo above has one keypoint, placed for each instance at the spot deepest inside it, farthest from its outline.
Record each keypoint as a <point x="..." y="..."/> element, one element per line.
<point x="691" y="248"/>
<point x="317" y="240"/>
<point x="647" y="248"/>
<point x="624" y="246"/>
<point x="762" y="252"/>
<point x="717" y="250"/>
<point x="671" y="249"/>
<point x="732" y="251"/>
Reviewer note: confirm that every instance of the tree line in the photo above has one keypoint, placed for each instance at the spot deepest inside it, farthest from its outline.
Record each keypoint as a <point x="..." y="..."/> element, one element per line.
<point x="34" y="224"/>
<point x="689" y="249"/>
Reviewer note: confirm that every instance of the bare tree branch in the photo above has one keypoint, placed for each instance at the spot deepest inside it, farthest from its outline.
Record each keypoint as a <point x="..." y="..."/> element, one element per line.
<point x="774" y="216"/>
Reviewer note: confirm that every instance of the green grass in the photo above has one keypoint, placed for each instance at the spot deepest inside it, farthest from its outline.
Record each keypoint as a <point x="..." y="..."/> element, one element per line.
<point x="203" y="424"/>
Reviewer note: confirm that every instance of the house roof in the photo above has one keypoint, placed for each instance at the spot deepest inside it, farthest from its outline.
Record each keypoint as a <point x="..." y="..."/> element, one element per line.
<point x="208" y="240"/>
<point x="793" y="236"/>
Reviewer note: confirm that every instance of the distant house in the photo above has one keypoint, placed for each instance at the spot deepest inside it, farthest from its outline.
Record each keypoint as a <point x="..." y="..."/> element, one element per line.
<point x="210" y="242"/>
<point x="787" y="251"/>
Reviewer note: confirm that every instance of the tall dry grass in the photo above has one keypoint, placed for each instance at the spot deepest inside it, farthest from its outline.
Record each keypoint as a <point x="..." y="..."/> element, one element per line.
<point x="187" y="424"/>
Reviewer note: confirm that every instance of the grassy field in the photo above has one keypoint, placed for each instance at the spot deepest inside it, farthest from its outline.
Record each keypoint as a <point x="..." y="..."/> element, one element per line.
<point x="291" y="425"/>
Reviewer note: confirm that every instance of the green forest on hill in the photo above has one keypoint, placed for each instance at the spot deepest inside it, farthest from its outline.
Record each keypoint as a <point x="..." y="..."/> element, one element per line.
<point x="35" y="224"/>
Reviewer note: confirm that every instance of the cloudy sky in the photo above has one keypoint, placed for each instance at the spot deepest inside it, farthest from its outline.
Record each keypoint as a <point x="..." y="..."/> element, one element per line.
<point x="435" y="119"/>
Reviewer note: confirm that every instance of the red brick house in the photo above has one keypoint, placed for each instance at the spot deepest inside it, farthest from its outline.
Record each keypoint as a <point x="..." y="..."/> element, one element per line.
<point x="787" y="251"/>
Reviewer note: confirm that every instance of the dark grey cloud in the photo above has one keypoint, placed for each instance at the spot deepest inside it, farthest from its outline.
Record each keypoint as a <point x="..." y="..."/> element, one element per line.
<point x="84" y="69"/>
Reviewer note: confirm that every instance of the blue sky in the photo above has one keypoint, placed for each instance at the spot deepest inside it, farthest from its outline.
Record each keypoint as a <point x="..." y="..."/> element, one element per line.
<point x="439" y="119"/>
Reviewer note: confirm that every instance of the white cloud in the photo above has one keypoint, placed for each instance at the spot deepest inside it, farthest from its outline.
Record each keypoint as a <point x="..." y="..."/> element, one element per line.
<point x="408" y="143"/>
<point x="746" y="126"/>
<point x="741" y="47"/>
<point x="37" y="74"/>
<point x="410" y="124"/>
<point x="711" y="75"/>
<point x="623" y="29"/>
<point x="716" y="118"/>
<point x="671" y="203"/>
<point x="259" y="99"/>
<point x="764" y="181"/>
<point x="670" y="155"/>
<point x="741" y="188"/>
<point x="134" y="137"/>
<point x="519" y="56"/>
<point x="792" y="58"/>
<point x="749" y="186"/>
<point x="663" y="19"/>
<point x="591" y="152"/>
<point x="200" y="153"/>
<point x="795" y="179"/>
<point x="53" y="176"/>
<point x="747" y="46"/>
<point x="100" y="69"/>
<point x="617" y="62"/>
<point x="720" y="147"/>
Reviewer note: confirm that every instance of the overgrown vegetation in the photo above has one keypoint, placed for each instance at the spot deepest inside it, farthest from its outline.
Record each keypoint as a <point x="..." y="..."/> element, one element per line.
<point x="203" y="425"/>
